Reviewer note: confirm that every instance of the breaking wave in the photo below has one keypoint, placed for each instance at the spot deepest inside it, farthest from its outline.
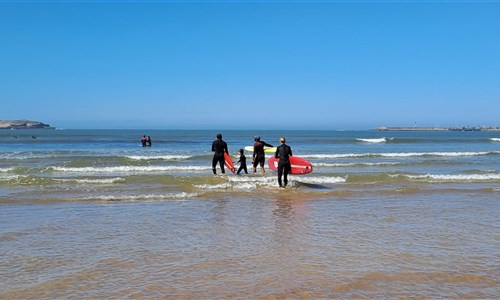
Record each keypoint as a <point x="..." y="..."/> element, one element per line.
<point x="92" y="180"/>
<point x="129" y="169"/>
<point x="375" y="141"/>
<point x="159" y="157"/>
<point x="169" y="196"/>
<point x="456" y="178"/>
<point x="401" y="154"/>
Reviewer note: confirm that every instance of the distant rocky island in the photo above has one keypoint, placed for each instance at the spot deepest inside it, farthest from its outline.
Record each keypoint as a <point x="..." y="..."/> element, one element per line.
<point x="23" y="124"/>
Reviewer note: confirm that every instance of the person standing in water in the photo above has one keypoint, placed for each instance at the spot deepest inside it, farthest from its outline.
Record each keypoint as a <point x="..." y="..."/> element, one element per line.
<point x="259" y="156"/>
<point x="219" y="147"/>
<point x="243" y="162"/>
<point x="283" y="152"/>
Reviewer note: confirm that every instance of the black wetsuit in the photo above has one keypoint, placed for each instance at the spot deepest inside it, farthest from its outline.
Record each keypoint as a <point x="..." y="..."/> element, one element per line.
<point x="259" y="156"/>
<point x="219" y="147"/>
<point x="283" y="152"/>
<point x="243" y="164"/>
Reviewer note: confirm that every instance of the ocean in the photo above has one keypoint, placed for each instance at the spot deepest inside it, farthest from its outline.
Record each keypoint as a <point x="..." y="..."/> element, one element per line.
<point x="93" y="214"/>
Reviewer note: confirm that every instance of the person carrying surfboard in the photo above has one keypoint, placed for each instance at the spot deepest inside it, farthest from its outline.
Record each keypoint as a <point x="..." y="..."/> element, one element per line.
<point x="283" y="152"/>
<point x="219" y="147"/>
<point x="259" y="156"/>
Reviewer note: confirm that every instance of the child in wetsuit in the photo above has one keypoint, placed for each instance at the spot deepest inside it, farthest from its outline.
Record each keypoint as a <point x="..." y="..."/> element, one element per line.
<point x="243" y="162"/>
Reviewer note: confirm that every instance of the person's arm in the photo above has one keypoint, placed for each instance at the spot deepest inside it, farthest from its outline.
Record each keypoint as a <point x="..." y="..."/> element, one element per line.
<point x="267" y="145"/>
<point x="290" y="150"/>
<point x="213" y="146"/>
<point x="225" y="148"/>
<point x="276" y="154"/>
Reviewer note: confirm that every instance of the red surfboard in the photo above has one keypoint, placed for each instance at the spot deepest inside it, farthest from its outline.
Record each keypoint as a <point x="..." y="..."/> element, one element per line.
<point x="228" y="162"/>
<point x="300" y="166"/>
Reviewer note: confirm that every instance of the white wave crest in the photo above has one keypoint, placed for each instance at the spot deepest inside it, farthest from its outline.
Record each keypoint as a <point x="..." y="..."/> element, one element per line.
<point x="375" y="141"/>
<point x="368" y="164"/>
<point x="5" y="178"/>
<point x="159" y="157"/>
<point x="128" y="169"/>
<point x="398" y="154"/>
<point x="180" y="196"/>
<point x="322" y="180"/>
<point x="457" y="178"/>
<point x="213" y="187"/>
<point x="6" y="170"/>
<point x="93" y="180"/>
<point x="495" y="139"/>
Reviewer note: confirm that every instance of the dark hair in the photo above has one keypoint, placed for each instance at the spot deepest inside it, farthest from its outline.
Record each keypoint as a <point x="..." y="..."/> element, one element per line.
<point x="241" y="151"/>
<point x="256" y="138"/>
<point x="219" y="136"/>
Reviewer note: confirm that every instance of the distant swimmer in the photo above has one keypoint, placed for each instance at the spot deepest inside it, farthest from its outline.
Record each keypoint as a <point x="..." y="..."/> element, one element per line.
<point x="143" y="140"/>
<point x="219" y="147"/>
<point x="33" y="137"/>
<point x="259" y="156"/>
<point x="148" y="141"/>
<point x="283" y="152"/>
<point x="243" y="162"/>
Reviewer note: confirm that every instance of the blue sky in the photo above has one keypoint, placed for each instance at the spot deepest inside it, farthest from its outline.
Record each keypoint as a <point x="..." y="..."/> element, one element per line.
<point x="250" y="65"/>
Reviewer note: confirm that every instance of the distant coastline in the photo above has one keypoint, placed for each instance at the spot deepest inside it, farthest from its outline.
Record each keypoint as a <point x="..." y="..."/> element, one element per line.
<point x="23" y="124"/>
<point x="482" y="128"/>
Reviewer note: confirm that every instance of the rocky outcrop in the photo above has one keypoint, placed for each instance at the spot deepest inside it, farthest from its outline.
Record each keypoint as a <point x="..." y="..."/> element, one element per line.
<point x="23" y="124"/>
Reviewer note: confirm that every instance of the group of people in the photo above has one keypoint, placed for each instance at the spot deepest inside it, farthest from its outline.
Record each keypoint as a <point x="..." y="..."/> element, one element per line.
<point x="146" y="141"/>
<point x="283" y="152"/>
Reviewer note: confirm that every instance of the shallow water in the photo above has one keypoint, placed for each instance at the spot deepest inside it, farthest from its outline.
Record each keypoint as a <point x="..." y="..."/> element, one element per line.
<point x="411" y="219"/>
<point x="276" y="245"/>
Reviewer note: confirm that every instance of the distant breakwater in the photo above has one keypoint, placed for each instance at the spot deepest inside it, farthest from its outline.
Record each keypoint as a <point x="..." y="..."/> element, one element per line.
<point x="482" y="128"/>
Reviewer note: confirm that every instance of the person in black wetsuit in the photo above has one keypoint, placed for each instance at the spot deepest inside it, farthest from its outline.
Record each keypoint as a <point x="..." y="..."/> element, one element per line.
<point x="219" y="147"/>
<point x="283" y="152"/>
<point x="259" y="156"/>
<point x="243" y="162"/>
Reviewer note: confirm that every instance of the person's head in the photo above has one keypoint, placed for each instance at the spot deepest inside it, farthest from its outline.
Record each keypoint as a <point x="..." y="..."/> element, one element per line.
<point x="241" y="151"/>
<point x="282" y="140"/>
<point x="256" y="138"/>
<point x="219" y="136"/>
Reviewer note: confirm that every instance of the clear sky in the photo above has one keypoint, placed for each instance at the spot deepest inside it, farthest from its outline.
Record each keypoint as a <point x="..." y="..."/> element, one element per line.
<point x="250" y="64"/>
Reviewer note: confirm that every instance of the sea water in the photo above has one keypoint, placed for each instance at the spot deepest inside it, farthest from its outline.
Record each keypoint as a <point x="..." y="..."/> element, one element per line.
<point x="93" y="214"/>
